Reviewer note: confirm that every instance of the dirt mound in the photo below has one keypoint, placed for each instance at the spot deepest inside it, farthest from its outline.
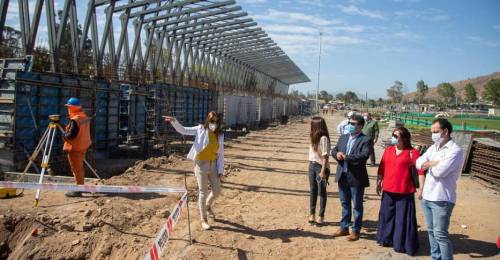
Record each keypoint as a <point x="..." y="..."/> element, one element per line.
<point x="96" y="226"/>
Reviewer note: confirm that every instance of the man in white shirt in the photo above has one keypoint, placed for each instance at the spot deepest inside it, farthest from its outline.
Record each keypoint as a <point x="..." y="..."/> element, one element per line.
<point x="444" y="161"/>
<point x="341" y="128"/>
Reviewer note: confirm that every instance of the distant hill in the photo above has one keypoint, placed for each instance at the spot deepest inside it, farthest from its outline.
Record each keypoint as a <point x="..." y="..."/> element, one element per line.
<point x="478" y="82"/>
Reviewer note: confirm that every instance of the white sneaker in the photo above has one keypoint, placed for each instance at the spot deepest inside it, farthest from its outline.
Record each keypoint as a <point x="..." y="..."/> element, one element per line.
<point x="205" y="225"/>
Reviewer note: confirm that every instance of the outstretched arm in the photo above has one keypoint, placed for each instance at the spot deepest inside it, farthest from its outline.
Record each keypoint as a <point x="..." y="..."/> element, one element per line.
<point x="180" y="128"/>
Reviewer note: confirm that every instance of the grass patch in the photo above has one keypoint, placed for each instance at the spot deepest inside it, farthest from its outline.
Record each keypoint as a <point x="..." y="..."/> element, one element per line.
<point x="491" y="124"/>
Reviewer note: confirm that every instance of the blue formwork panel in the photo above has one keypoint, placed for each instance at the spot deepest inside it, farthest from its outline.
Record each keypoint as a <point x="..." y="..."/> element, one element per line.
<point x="49" y="78"/>
<point x="179" y="110"/>
<point x="198" y="109"/>
<point x="140" y="115"/>
<point x="67" y="81"/>
<point x="27" y="75"/>
<point x="189" y="106"/>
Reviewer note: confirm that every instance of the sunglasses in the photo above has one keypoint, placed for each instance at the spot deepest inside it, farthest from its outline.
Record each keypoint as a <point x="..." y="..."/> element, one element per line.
<point x="352" y="123"/>
<point x="395" y="136"/>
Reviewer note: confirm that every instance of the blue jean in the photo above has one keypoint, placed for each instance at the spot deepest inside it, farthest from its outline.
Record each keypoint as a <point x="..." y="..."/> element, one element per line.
<point x="437" y="216"/>
<point x="347" y="194"/>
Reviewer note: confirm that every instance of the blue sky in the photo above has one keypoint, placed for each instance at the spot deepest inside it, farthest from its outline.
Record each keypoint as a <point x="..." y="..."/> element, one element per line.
<point x="367" y="44"/>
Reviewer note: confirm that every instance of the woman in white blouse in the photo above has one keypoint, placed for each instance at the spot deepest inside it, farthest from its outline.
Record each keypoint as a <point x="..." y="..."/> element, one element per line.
<point x="207" y="153"/>
<point x="319" y="168"/>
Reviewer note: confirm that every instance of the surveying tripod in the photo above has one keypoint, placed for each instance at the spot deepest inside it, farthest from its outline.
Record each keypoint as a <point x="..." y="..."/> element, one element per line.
<point x="45" y="146"/>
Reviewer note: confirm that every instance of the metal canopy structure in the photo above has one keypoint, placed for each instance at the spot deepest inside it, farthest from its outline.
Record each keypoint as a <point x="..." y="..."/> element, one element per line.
<point x="201" y="42"/>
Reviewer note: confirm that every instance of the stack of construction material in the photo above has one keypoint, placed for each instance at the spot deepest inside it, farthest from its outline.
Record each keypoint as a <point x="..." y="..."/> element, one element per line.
<point x="485" y="160"/>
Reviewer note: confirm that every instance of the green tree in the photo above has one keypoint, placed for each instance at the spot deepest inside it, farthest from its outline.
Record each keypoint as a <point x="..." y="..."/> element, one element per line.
<point x="10" y="40"/>
<point x="340" y="96"/>
<point x="323" y="94"/>
<point x="351" y="97"/>
<point x="422" y="90"/>
<point x="447" y="92"/>
<point x="470" y="93"/>
<point x="396" y="92"/>
<point x="380" y="101"/>
<point x="492" y="91"/>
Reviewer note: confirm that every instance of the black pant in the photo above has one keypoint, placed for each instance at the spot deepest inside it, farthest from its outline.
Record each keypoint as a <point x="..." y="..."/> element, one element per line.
<point x="372" y="157"/>
<point x="314" y="171"/>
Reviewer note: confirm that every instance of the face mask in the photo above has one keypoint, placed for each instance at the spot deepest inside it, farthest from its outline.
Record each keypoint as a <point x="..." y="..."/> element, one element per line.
<point x="350" y="129"/>
<point x="394" y="140"/>
<point x="212" y="127"/>
<point x="436" y="138"/>
<point x="366" y="118"/>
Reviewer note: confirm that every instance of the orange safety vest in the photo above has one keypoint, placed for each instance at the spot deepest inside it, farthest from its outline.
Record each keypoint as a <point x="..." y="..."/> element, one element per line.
<point x="82" y="140"/>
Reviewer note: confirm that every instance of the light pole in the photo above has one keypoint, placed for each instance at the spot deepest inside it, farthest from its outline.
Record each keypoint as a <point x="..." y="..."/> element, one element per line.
<point x="319" y="68"/>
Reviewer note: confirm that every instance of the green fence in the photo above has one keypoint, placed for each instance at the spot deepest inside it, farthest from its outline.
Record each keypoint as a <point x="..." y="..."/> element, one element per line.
<point x="410" y="119"/>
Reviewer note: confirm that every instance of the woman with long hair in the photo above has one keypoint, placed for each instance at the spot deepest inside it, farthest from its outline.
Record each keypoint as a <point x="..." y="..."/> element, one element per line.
<point x="207" y="153"/>
<point x="319" y="168"/>
<point x="397" y="223"/>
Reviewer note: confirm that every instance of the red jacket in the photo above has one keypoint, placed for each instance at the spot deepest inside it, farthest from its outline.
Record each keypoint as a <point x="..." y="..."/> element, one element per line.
<point x="395" y="170"/>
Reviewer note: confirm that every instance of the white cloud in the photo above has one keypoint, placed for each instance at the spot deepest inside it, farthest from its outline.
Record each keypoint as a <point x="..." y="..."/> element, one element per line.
<point x="357" y="1"/>
<point x="290" y="29"/>
<point x="407" y="35"/>
<point x="430" y="15"/>
<point x="354" y="10"/>
<point x="305" y="45"/>
<point x="485" y="42"/>
<point x="316" y="3"/>
<point x="406" y="1"/>
<point x="13" y="12"/>
<point x="292" y="17"/>
<point x="251" y="1"/>
<point x="437" y="18"/>
<point x="349" y="28"/>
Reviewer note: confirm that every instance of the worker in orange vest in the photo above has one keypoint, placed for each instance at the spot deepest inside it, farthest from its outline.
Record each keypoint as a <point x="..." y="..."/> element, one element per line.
<point x="76" y="141"/>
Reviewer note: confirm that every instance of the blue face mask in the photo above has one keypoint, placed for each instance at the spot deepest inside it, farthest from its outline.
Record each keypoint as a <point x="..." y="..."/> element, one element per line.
<point x="350" y="129"/>
<point x="394" y="140"/>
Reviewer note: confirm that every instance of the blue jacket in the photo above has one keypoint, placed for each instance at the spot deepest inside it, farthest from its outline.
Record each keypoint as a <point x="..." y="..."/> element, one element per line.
<point x="356" y="174"/>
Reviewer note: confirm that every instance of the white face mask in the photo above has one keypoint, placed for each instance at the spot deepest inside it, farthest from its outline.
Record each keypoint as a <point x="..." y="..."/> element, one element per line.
<point x="436" y="138"/>
<point x="394" y="140"/>
<point x="212" y="127"/>
<point x="366" y="118"/>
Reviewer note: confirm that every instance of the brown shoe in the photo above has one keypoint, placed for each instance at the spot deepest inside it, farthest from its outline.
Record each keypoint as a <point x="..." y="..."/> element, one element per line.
<point x="341" y="232"/>
<point x="353" y="236"/>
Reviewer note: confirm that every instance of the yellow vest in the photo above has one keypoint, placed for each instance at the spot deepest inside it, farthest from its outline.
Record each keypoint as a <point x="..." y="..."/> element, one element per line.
<point x="209" y="153"/>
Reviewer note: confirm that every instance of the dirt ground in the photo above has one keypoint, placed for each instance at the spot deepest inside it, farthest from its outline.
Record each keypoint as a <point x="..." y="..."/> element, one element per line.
<point x="262" y="213"/>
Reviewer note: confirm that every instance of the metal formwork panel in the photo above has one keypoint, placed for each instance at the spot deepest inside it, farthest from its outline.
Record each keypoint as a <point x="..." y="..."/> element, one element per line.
<point x="265" y="109"/>
<point x="252" y="109"/>
<point x="278" y="108"/>
<point x="179" y="110"/>
<point x="230" y="111"/>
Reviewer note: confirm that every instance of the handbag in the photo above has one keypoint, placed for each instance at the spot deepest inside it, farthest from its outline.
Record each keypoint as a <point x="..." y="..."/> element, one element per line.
<point x="413" y="171"/>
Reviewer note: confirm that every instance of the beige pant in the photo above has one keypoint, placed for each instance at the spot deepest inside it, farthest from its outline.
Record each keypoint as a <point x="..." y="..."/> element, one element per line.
<point x="206" y="171"/>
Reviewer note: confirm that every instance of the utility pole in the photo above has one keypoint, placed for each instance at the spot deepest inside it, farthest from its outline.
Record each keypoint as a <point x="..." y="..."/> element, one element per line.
<point x="319" y="68"/>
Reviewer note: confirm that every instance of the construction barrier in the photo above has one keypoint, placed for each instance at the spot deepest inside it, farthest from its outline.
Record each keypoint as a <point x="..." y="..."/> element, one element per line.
<point x="166" y="231"/>
<point x="167" y="228"/>
<point x="90" y="188"/>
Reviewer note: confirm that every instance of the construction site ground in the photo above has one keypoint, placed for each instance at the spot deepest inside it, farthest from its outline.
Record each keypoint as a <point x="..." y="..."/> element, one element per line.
<point x="262" y="213"/>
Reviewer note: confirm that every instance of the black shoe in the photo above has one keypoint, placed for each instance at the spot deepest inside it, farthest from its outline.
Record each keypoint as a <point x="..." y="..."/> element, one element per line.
<point x="73" y="194"/>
